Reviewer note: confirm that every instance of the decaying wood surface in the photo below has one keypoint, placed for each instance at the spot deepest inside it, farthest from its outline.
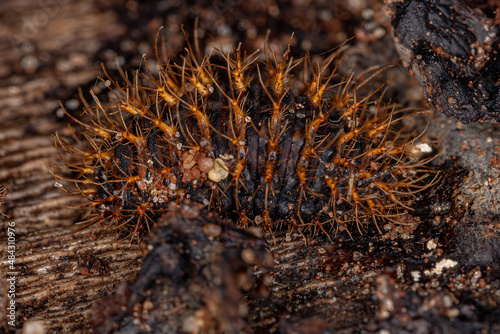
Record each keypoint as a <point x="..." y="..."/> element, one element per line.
<point x="48" y="50"/>
<point x="53" y="284"/>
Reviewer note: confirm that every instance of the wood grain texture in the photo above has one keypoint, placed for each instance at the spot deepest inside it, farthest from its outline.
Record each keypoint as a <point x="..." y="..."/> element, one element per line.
<point x="49" y="48"/>
<point x="45" y="46"/>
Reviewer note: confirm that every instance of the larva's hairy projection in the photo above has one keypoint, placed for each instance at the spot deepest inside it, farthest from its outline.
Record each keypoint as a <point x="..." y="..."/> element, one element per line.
<point x="233" y="131"/>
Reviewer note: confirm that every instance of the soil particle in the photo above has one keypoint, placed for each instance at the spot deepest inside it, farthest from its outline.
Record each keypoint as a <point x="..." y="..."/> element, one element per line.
<point x="91" y="265"/>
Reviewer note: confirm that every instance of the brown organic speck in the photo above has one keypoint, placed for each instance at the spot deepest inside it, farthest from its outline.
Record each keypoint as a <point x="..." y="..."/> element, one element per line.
<point x="147" y="305"/>
<point x="212" y="230"/>
<point x="205" y="165"/>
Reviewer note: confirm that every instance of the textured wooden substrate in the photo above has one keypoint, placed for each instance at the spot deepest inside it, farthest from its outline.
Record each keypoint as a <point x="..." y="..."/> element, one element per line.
<point x="62" y="272"/>
<point x="53" y="284"/>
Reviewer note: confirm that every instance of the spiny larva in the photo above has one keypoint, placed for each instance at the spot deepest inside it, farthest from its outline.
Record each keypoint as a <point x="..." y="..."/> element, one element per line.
<point x="263" y="140"/>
